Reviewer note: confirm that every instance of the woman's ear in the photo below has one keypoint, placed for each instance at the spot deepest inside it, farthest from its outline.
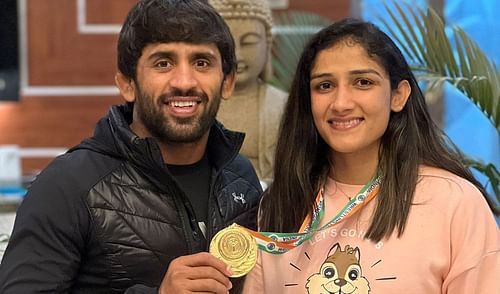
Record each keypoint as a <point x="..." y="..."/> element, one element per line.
<point x="400" y="96"/>
<point x="228" y="85"/>
<point x="126" y="87"/>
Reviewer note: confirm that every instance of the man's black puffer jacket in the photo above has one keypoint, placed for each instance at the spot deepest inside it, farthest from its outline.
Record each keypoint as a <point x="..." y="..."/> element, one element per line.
<point x="116" y="217"/>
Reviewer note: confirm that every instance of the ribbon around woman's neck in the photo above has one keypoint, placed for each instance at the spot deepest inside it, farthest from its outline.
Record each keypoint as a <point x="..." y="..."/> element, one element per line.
<point x="278" y="243"/>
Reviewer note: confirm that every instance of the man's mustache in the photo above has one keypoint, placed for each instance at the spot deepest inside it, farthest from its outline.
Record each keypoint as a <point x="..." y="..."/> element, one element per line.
<point x="180" y="93"/>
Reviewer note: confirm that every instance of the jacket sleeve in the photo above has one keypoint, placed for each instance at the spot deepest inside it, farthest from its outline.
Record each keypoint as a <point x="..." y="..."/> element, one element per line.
<point x="49" y="236"/>
<point x="141" y="289"/>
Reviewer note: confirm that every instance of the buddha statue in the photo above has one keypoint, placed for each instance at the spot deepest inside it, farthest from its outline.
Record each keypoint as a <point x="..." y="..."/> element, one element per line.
<point x="255" y="107"/>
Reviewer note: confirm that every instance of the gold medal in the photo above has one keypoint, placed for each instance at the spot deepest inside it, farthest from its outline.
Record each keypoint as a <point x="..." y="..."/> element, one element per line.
<point x="236" y="247"/>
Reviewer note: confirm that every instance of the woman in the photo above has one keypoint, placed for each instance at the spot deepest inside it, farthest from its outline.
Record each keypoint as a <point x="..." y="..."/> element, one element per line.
<point x="361" y="166"/>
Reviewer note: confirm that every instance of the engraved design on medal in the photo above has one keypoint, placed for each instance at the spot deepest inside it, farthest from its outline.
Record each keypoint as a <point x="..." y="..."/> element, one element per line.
<point x="237" y="248"/>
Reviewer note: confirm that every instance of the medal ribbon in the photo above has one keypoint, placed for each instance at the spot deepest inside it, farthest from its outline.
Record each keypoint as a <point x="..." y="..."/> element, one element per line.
<point x="278" y="243"/>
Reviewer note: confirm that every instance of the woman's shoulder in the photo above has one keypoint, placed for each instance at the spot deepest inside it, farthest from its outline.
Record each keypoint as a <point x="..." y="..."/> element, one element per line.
<point x="443" y="178"/>
<point x="446" y="189"/>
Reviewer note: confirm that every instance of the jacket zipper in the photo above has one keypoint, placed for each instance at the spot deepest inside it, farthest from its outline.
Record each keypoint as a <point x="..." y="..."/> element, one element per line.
<point x="213" y="206"/>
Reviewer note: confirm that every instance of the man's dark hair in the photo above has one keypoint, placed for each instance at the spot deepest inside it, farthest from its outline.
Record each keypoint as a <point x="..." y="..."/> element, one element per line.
<point x="165" y="21"/>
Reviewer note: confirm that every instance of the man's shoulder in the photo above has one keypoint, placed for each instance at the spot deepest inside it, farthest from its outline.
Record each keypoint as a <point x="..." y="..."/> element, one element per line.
<point x="75" y="171"/>
<point x="241" y="169"/>
<point x="240" y="163"/>
<point x="82" y="161"/>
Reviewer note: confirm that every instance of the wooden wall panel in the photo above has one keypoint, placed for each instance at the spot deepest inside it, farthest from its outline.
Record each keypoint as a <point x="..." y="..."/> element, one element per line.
<point x="50" y="122"/>
<point x="332" y="9"/>
<point x="108" y="11"/>
<point x="59" y="55"/>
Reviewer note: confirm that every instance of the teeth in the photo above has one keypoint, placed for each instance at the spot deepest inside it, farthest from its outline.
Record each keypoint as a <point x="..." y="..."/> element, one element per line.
<point x="183" y="103"/>
<point x="346" y="123"/>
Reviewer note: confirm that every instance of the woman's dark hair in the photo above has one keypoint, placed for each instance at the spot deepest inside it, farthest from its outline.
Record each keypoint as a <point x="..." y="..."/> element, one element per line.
<point x="410" y="140"/>
<point x="164" y="21"/>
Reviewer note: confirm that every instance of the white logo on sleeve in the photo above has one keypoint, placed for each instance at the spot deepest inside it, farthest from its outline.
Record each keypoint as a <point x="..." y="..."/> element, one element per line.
<point x="240" y="198"/>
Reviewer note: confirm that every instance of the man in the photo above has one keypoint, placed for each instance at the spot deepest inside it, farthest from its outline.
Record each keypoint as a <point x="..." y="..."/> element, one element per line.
<point x="136" y="205"/>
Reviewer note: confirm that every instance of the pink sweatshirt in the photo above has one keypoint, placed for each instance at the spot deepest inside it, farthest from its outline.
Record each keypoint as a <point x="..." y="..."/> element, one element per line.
<point x="451" y="244"/>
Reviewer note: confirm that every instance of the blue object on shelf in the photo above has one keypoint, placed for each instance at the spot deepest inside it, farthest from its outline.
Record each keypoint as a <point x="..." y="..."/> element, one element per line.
<point x="12" y="192"/>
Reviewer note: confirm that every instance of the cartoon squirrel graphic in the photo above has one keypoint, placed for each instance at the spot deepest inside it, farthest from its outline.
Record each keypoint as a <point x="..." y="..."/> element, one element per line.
<point x="339" y="274"/>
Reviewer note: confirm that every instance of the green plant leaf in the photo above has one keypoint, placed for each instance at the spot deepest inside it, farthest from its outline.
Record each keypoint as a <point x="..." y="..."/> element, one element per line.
<point x="287" y="47"/>
<point x="462" y="63"/>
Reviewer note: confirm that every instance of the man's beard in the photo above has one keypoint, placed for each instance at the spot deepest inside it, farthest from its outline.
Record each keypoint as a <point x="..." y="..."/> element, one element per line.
<point x="173" y="129"/>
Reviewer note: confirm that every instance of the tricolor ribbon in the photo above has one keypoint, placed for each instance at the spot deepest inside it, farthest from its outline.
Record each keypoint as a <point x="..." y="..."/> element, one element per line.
<point x="278" y="243"/>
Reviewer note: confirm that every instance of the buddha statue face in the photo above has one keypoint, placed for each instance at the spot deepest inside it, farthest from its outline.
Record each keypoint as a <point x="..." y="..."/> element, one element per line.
<point x="251" y="49"/>
<point x="250" y="22"/>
